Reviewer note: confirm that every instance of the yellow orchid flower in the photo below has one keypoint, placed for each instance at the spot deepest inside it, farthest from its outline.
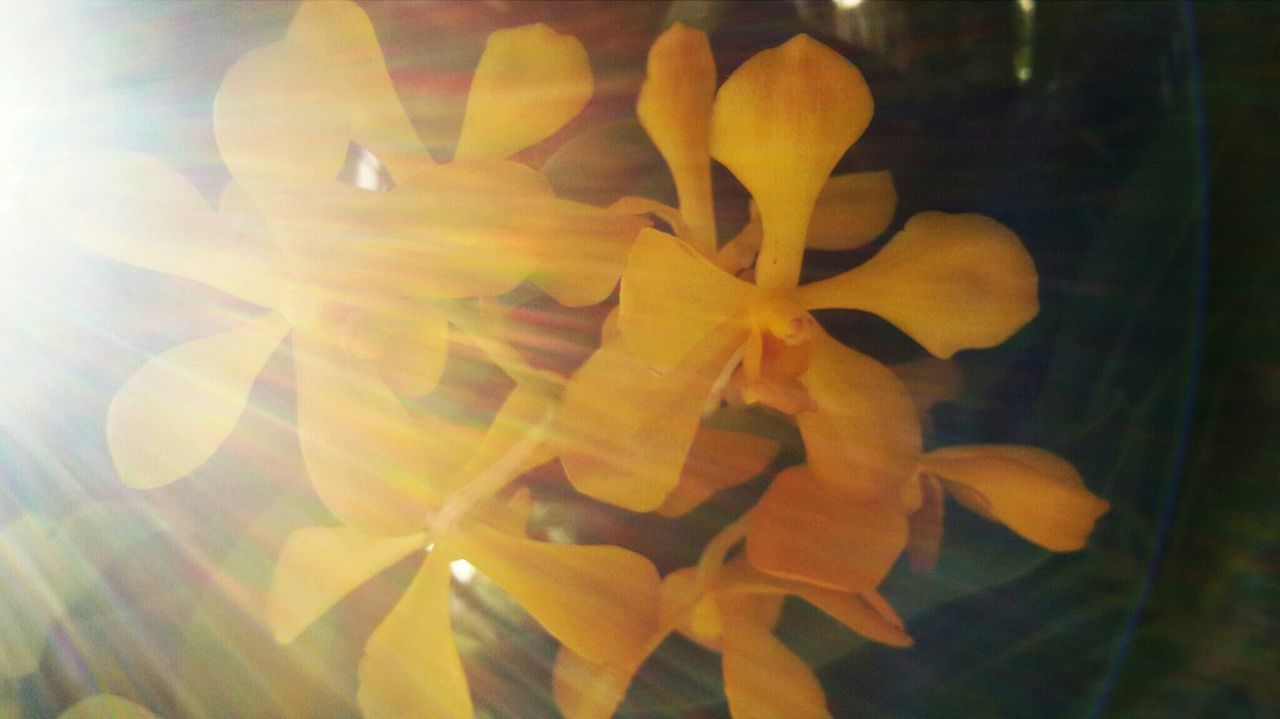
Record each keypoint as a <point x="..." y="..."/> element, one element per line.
<point x="601" y="601"/>
<point x="780" y="123"/>
<point x="731" y="611"/>
<point x="339" y="268"/>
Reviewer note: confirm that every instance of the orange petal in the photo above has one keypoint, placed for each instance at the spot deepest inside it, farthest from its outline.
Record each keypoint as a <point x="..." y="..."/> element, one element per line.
<point x="136" y="209"/>
<point x="867" y="614"/>
<point x="803" y="530"/>
<point x="864" y="436"/>
<point x="930" y="380"/>
<point x="175" y="412"/>
<point x="530" y="82"/>
<point x="414" y="357"/>
<point x="1036" y="493"/>
<point x="718" y="459"/>
<point x="319" y="566"/>
<point x="673" y="297"/>
<point x="411" y="666"/>
<point x="625" y="432"/>
<point x="281" y="119"/>
<point x="952" y="282"/>
<point x="580" y="250"/>
<point x="363" y="453"/>
<point x="781" y="122"/>
<point x="455" y="230"/>
<point x="852" y="210"/>
<point x="588" y="690"/>
<point x="763" y="679"/>
<point x="340" y="32"/>
<point x="599" y="601"/>
<point x="675" y="109"/>
<point x="857" y="613"/>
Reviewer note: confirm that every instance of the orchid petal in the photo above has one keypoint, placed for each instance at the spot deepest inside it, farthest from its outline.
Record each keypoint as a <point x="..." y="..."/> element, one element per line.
<point x="580" y="250"/>
<point x="414" y="357"/>
<point x="600" y="601"/>
<point x="630" y="450"/>
<point x="952" y="282"/>
<point x="1035" y="493"/>
<point x="588" y="690"/>
<point x="864" y="436"/>
<point x="453" y="231"/>
<point x="136" y="209"/>
<point x="780" y="123"/>
<point x="365" y="457"/>
<point x="530" y="82"/>
<point x="344" y="37"/>
<point x="803" y="530"/>
<point x="852" y="210"/>
<point x="675" y="109"/>
<point x="672" y="297"/>
<point x="319" y="566"/>
<point x="411" y="666"/>
<point x="718" y="459"/>
<point x="179" y="408"/>
<point x="281" y="119"/>
<point x="867" y="613"/>
<point x="763" y="679"/>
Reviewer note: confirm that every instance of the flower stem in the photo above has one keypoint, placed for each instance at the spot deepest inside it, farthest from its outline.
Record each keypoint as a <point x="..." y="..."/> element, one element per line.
<point x="490" y="480"/>
<point x="714" y="553"/>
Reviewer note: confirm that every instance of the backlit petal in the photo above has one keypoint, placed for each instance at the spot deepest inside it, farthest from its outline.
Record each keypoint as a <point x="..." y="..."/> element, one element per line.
<point x="675" y="109"/>
<point x="136" y="209"/>
<point x="600" y="601"/>
<point x="952" y="282"/>
<point x="780" y="123"/>
<point x="414" y="357"/>
<point x="673" y="297"/>
<point x="930" y="380"/>
<point x="1036" y="493"/>
<point x="864" y="436"/>
<point x="176" y="411"/>
<point x="718" y="459"/>
<point x="345" y="39"/>
<point x="625" y="431"/>
<point x="803" y="530"/>
<point x="763" y="679"/>
<point x="319" y="566"/>
<point x="852" y="210"/>
<point x="867" y="614"/>
<point x="281" y="119"/>
<point x="588" y="690"/>
<point x="456" y="230"/>
<point x="411" y="666"/>
<point x="364" y="455"/>
<point x="580" y="250"/>
<point x="530" y="82"/>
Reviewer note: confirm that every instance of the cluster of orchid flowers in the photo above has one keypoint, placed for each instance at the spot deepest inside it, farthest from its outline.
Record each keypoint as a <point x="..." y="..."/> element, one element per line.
<point x="373" y="286"/>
